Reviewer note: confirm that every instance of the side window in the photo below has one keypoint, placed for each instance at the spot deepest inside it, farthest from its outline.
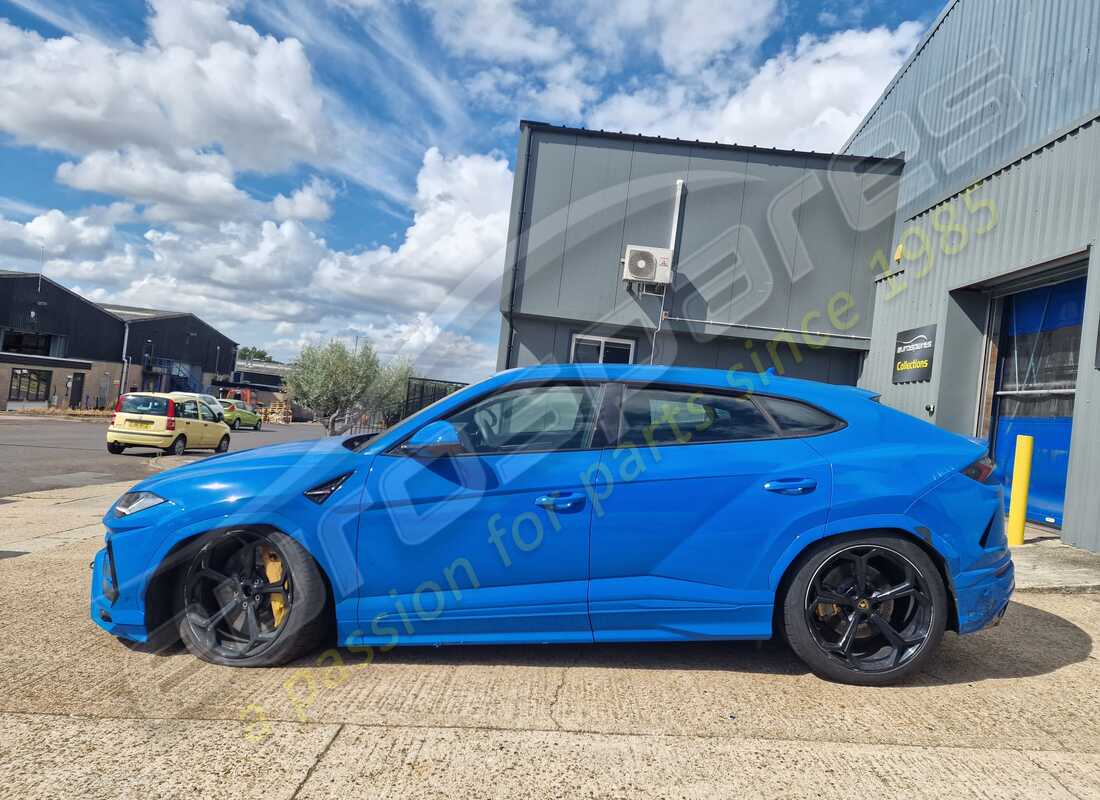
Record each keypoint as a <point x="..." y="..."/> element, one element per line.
<point x="798" y="418"/>
<point x="187" y="409"/>
<point x="207" y="414"/>
<point x="672" y="416"/>
<point x="532" y="418"/>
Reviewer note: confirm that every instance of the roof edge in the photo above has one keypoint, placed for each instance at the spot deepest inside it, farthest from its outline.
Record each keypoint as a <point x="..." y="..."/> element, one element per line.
<point x="536" y="125"/>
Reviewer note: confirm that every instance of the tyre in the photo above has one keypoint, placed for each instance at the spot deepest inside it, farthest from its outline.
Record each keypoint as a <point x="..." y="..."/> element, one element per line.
<point x="236" y="424"/>
<point x="223" y="444"/>
<point x="114" y="448"/>
<point x="178" y="446"/>
<point x="867" y="610"/>
<point x="251" y="599"/>
<point x="256" y="427"/>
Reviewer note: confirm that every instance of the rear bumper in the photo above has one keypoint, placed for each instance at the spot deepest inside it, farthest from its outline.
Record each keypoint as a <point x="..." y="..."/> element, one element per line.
<point x="982" y="595"/>
<point x="140" y="438"/>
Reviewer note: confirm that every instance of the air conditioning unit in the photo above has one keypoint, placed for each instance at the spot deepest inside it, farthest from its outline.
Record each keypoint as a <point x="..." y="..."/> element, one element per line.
<point x="647" y="264"/>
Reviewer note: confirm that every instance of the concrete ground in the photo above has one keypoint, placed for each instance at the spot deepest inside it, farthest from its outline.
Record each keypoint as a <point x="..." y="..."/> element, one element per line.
<point x="1009" y="712"/>
<point x="54" y="452"/>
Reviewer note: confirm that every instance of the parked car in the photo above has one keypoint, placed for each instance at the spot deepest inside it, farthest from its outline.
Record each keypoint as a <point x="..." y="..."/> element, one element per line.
<point x="578" y="503"/>
<point x="209" y="399"/>
<point x="237" y="414"/>
<point x="169" y="422"/>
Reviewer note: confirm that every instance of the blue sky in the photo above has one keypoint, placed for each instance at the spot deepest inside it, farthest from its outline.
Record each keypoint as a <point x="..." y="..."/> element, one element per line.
<point x="297" y="171"/>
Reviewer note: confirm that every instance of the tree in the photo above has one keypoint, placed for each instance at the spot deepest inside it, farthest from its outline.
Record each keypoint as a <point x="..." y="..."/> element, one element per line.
<point x="386" y="399"/>
<point x="332" y="380"/>
<point x="249" y="353"/>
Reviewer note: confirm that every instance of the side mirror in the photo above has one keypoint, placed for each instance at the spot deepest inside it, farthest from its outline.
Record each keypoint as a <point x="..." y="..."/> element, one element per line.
<point x="436" y="439"/>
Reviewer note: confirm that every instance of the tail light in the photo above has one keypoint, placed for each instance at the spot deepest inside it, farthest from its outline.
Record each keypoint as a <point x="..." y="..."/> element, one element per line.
<point x="981" y="469"/>
<point x="118" y="403"/>
<point x="171" y="415"/>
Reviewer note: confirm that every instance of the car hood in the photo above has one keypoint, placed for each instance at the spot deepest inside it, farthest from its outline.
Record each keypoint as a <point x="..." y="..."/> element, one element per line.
<point x="263" y="470"/>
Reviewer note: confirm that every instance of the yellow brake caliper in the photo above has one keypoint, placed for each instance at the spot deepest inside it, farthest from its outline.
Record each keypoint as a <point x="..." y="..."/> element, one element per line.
<point x="273" y="568"/>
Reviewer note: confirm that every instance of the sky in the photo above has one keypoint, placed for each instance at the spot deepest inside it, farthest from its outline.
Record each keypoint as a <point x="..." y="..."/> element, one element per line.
<point x="297" y="171"/>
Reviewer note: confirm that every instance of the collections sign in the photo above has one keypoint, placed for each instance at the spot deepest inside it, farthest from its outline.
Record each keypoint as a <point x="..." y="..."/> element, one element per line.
<point x="913" y="353"/>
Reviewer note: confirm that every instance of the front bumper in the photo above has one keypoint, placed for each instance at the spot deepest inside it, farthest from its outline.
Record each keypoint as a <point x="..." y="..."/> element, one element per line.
<point x="110" y="606"/>
<point x="982" y="595"/>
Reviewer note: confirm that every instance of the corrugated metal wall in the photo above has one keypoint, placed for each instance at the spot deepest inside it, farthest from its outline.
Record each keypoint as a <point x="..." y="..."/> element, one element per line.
<point x="767" y="238"/>
<point x="994" y="78"/>
<point x="1038" y="151"/>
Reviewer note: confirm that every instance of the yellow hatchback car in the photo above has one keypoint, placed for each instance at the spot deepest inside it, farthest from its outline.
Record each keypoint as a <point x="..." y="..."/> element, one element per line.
<point x="169" y="422"/>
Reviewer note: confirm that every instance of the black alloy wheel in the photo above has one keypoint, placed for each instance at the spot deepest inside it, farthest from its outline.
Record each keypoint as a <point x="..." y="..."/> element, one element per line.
<point x="231" y="604"/>
<point x="866" y="612"/>
<point x="251" y="598"/>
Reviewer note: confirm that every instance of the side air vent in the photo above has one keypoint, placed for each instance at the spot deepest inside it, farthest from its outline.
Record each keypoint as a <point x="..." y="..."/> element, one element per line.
<point x="323" y="491"/>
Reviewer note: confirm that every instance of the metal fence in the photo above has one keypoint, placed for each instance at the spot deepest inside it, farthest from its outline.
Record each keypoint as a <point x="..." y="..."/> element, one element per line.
<point x="419" y="393"/>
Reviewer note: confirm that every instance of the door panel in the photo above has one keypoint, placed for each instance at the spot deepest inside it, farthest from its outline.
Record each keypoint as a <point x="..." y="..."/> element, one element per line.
<point x="684" y="536"/>
<point x="486" y="545"/>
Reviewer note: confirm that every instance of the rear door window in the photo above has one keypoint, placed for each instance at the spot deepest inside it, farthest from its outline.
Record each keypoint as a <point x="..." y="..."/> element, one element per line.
<point x="144" y="404"/>
<point x="673" y="416"/>
<point x="188" y="409"/>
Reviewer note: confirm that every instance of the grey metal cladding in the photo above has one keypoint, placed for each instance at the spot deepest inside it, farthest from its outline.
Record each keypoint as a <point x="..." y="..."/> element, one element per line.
<point x="766" y="236"/>
<point x="992" y="79"/>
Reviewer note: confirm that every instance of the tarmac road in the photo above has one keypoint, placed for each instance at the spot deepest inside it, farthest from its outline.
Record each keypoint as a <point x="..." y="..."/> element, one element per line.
<point x="48" y="453"/>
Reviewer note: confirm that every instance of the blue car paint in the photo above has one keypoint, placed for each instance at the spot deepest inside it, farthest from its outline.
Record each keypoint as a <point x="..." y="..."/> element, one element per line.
<point x="444" y="552"/>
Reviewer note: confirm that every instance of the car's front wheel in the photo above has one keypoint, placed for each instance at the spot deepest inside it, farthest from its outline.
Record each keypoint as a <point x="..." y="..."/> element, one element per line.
<point x="867" y="610"/>
<point x="223" y="445"/>
<point x="251" y="599"/>
<point x="236" y="424"/>
<point x="256" y="427"/>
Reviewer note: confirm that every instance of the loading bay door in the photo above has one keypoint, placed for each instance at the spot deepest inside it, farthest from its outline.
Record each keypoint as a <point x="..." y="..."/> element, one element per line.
<point x="1039" y="344"/>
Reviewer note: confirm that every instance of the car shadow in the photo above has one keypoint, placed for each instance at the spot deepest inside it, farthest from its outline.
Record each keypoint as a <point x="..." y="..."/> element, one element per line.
<point x="1030" y="642"/>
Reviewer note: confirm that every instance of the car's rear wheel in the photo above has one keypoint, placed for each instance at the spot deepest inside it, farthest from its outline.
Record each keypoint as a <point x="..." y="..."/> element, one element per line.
<point x="251" y="599"/>
<point x="869" y="610"/>
<point x="178" y="446"/>
<point x="114" y="448"/>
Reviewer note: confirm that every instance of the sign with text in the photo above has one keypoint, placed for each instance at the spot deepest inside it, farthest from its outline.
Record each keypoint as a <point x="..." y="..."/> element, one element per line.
<point x="913" y="353"/>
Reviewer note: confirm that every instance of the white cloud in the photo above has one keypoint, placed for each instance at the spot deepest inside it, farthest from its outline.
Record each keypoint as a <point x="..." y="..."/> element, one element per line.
<point x="180" y="186"/>
<point x="494" y="30"/>
<point x="809" y="97"/>
<point x="312" y="201"/>
<point x="683" y="35"/>
<point x="56" y="233"/>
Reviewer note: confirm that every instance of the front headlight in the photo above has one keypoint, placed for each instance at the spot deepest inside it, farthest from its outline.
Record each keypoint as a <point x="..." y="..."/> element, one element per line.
<point x="133" y="502"/>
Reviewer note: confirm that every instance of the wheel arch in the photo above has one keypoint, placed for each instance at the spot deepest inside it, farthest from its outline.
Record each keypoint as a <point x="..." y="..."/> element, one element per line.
<point x="811" y="547"/>
<point x="160" y="610"/>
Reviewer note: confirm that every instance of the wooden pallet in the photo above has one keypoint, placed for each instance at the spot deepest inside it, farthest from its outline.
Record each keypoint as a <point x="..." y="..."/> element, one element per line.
<point x="278" y="412"/>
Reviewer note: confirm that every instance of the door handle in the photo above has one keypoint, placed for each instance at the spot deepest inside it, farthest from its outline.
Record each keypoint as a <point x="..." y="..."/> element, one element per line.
<point x="560" y="501"/>
<point x="791" y="486"/>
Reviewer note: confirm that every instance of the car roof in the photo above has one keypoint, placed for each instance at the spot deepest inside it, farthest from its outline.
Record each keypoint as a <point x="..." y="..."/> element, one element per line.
<point x="164" y="395"/>
<point x="764" y="383"/>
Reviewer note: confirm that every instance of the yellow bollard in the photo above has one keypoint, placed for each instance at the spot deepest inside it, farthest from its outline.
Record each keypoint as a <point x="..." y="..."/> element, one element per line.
<point x="1021" y="482"/>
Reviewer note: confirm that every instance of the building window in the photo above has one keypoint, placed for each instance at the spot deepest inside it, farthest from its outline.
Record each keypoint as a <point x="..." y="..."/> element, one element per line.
<point x="30" y="384"/>
<point x="29" y="344"/>
<point x="588" y="349"/>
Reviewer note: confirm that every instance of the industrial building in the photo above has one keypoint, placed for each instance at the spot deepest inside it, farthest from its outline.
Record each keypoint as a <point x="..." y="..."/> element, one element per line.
<point x="62" y="350"/>
<point x="951" y="238"/>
